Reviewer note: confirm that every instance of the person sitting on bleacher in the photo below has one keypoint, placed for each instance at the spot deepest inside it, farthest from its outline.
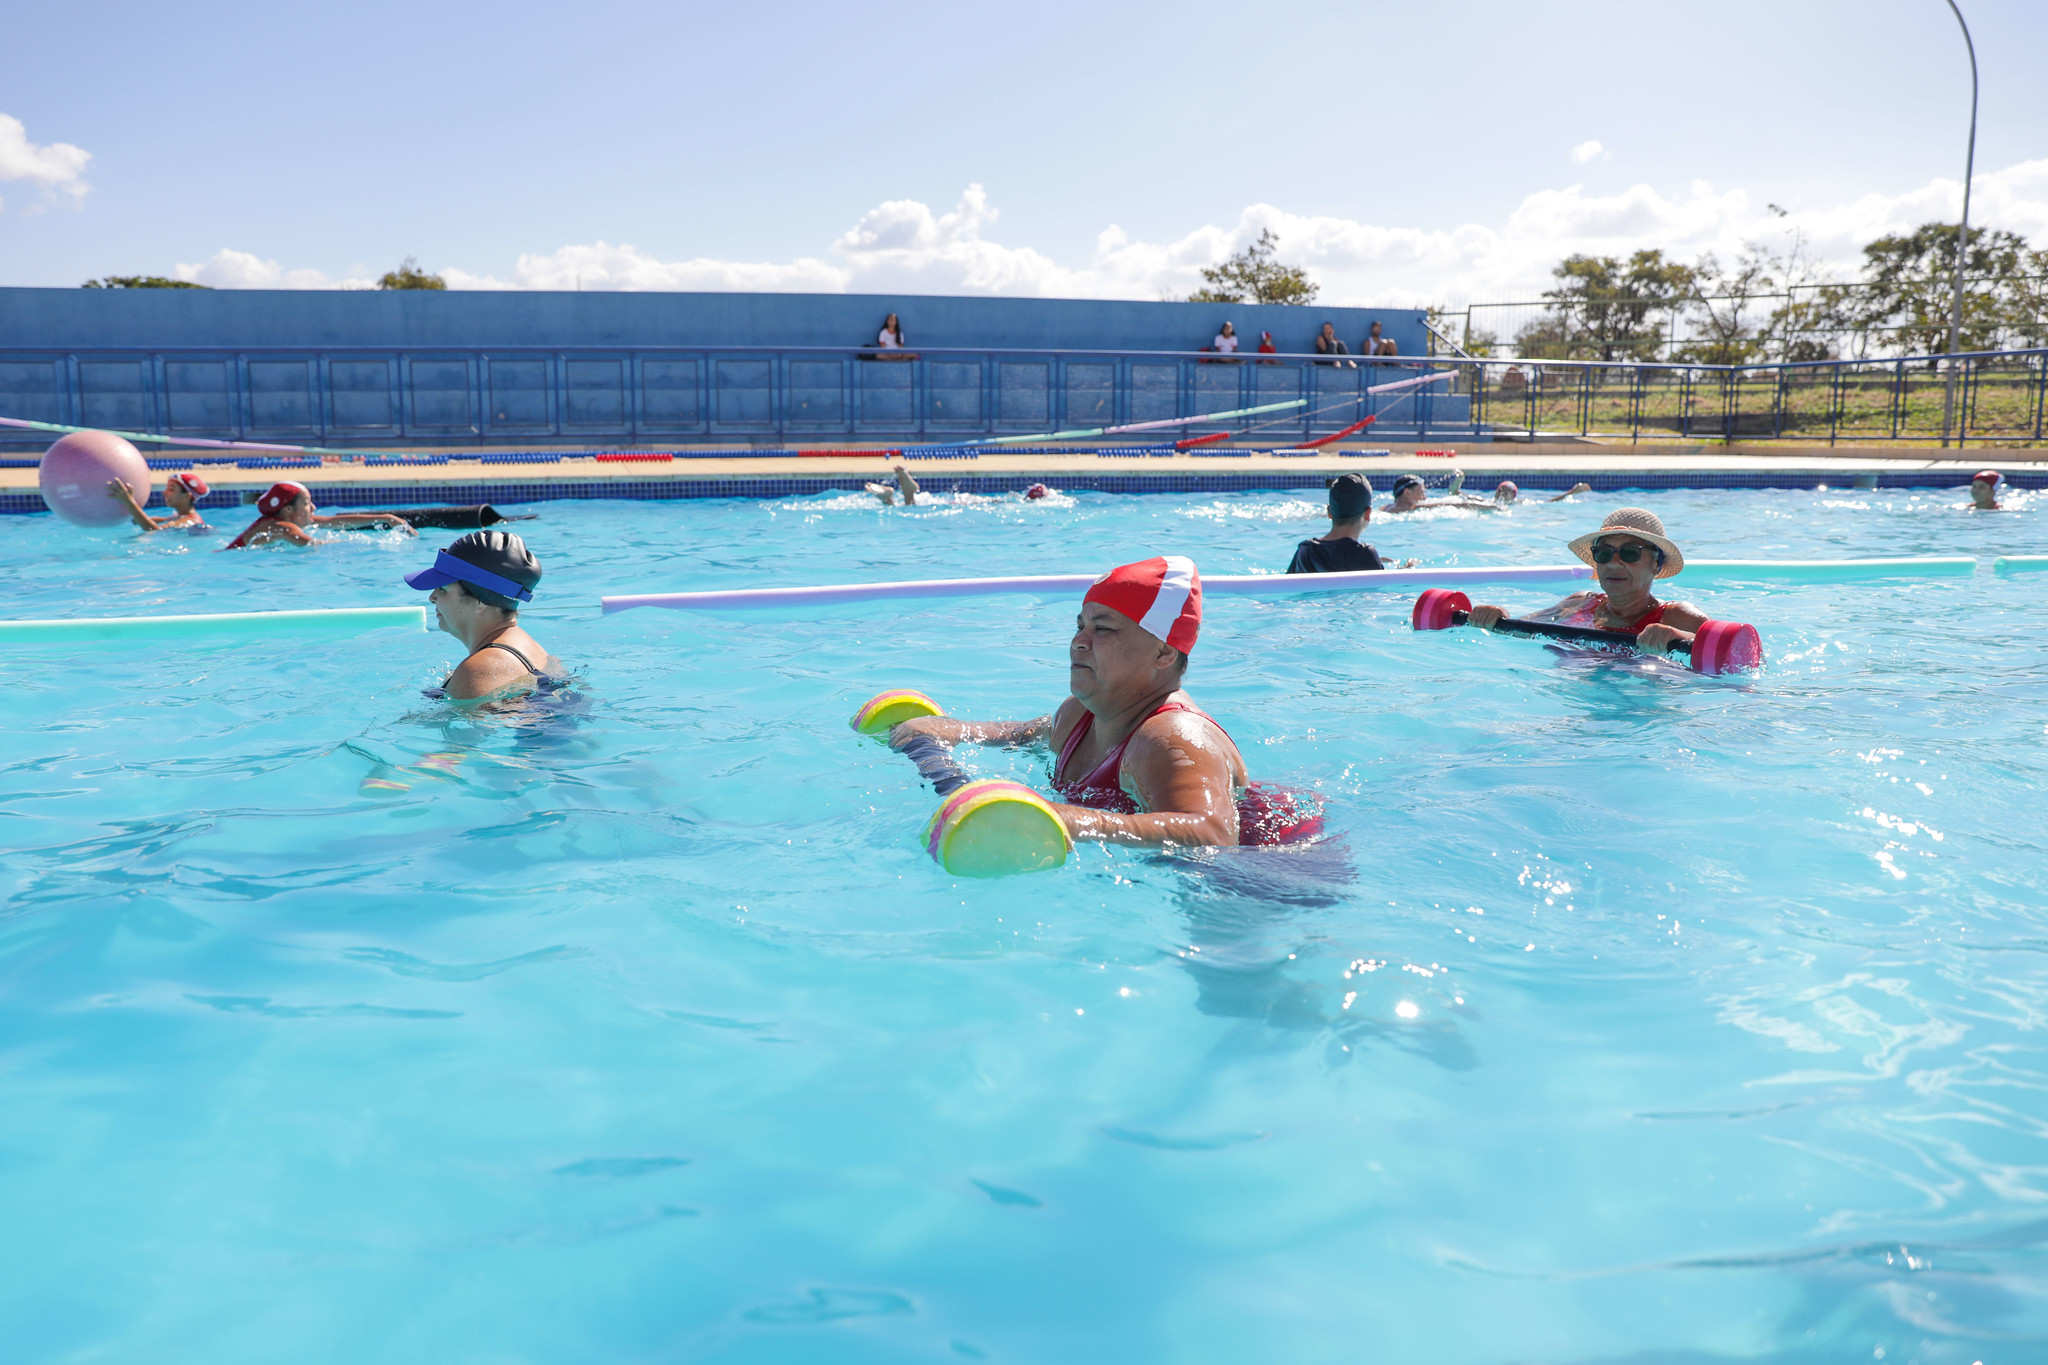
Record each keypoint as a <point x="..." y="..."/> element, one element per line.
<point x="1328" y="344"/>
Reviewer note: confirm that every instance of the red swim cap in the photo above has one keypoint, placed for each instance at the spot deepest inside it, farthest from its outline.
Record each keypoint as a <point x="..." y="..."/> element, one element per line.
<point x="1990" y="476"/>
<point x="1037" y="490"/>
<point x="280" y="496"/>
<point x="1163" y="596"/>
<point x="191" y="483"/>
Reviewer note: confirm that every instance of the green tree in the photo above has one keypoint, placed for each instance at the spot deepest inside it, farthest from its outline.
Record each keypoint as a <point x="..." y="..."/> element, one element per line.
<point x="1605" y="309"/>
<point x="1726" y="302"/>
<point x="141" y="282"/>
<point x="2026" y="302"/>
<point x="410" y="276"/>
<point x="1908" y="280"/>
<point x="1253" y="276"/>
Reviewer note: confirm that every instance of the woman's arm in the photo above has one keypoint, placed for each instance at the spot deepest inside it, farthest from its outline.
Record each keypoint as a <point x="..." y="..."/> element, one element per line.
<point x="948" y="730"/>
<point x="367" y="519"/>
<point x="1681" y="621"/>
<point x="1183" y="777"/>
<point x="1486" y="617"/>
<point x="119" y="492"/>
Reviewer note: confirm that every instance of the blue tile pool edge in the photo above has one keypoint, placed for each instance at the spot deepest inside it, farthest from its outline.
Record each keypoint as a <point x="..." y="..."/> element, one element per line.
<point x="1478" y="481"/>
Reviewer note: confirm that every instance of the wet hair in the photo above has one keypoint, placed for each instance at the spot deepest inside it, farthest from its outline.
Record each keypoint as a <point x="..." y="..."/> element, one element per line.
<point x="1350" y="497"/>
<point x="1407" y="481"/>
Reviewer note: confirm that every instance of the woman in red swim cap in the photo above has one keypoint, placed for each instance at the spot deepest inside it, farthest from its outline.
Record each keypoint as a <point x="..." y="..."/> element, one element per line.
<point x="1984" y="491"/>
<point x="286" y="510"/>
<point x="1136" y="761"/>
<point x="181" y="491"/>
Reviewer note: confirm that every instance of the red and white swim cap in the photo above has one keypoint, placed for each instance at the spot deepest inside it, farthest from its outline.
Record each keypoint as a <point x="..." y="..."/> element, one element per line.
<point x="1163" y="596"/>
<point x="191" y="483"/>
<point x="1990" y="476"/>
<point x="280" y="496"/>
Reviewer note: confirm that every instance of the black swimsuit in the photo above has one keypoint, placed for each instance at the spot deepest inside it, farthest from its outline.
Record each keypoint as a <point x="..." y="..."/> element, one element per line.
<point x="542" y="682"/>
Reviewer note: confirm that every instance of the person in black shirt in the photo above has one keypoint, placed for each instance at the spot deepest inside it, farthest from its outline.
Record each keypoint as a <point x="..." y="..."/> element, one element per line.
<point x="1341" y="551"/>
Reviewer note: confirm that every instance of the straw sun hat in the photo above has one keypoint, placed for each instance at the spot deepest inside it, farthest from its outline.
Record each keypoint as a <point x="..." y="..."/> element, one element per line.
<point x="1634" y="521"/>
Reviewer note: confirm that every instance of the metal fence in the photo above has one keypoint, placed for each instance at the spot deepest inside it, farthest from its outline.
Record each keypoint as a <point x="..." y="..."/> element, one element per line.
<point x="634" y="396"/>
<point x="1807" y="321"/>
<point x="455" y="397"/>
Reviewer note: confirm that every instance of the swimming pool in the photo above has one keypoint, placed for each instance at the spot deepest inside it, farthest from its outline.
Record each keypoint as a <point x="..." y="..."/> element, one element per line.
<point x="1640" y="1016"/>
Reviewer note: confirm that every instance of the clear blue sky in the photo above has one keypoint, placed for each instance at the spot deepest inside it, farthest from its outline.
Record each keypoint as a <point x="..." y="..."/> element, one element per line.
<point x="342" y="138"/>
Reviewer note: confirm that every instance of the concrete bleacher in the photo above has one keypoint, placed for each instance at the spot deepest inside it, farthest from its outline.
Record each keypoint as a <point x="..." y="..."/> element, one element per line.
<point x="367" y="368"/>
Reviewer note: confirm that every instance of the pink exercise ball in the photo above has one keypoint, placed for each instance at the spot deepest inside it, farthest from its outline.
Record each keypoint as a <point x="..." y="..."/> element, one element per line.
<point x="75" y="473"/>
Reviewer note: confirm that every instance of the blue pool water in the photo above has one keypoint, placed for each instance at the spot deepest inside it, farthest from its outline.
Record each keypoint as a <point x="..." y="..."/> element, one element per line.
<point x="1629" y="1016"/>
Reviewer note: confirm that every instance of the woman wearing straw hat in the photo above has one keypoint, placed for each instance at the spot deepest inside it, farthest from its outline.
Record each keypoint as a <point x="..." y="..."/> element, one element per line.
<point x="1629" y="553"/>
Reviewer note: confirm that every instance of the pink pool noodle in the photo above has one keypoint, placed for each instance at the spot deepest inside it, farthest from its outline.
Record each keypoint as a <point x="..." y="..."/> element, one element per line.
<point x="75" y="472"/>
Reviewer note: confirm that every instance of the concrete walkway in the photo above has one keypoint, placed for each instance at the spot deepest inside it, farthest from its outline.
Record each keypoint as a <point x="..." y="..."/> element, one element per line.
<point x="1534" y="466"/>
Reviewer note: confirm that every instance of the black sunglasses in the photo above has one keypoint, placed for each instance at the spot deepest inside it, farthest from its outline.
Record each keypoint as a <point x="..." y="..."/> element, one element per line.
<point x="1629" y="554"/>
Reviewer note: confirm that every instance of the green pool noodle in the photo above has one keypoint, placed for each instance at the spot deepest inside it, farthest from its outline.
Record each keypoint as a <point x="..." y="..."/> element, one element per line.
<point x="326" y="621"/>
<point x="1826" y="570"/>
<point x="2006" y="564"/>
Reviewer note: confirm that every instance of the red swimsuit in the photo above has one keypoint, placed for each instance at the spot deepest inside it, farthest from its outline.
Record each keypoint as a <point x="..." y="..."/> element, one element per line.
<point x="1265" y="815"/>
<point x="1590" y="609"/>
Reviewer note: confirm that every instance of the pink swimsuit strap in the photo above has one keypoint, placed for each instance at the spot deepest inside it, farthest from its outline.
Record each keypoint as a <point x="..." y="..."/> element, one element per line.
<point x="1266" y="815"/>
<point x="1590" y="608"/>
<point x="1103" y="785"/>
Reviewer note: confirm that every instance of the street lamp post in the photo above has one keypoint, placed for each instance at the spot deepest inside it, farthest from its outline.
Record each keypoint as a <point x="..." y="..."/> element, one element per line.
<point x="1955" y="307"/>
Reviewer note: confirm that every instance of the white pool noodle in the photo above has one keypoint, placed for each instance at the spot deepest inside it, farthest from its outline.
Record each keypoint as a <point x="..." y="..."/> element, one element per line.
<point x="1264" y="585"/>
<point x="327" y="621"/>
<point x="1827" y="570"/>
<point x="1246" y="585"/>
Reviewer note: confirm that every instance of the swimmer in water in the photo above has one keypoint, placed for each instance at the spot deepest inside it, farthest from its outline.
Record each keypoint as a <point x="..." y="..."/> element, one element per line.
<point x="1136" y="761"/>
<point x="1506" y="494"/>
<point x="1411" y="496"/>
<point x="476" y="586"/>
<point x="1035" y="492"/>
<point x="181" y="491"/>
<point x="286" y="510"/>
<point x="1628" y="553"/>
<point x="1984" y="491"/>
<point x="905" y="485"/>
<point x="1341" y="551"/>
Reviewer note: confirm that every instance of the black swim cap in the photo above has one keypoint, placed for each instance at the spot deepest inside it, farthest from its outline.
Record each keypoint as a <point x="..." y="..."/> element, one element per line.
<point x="503" y="554"/>
<point x="1350" y="496"/>
<point x="1405" y="481"/>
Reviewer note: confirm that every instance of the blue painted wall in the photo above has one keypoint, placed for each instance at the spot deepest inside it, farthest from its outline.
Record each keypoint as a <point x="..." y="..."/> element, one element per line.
<point x="232" y="319"/>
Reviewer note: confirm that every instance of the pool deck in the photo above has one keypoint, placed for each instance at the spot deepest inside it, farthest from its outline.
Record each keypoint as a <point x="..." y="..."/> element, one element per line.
<point x="467" y="478"/>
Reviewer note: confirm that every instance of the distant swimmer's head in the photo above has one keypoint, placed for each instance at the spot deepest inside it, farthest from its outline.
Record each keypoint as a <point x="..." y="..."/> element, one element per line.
<point x="286" y="502"/>
<point x="183" y="489"/>
<point x="491" y="567"/>
<point x="1350" y="497"/>
<point x="1506" y="491"/>
<point x="1984" y="487"/>
<point x="1137" y="626"/>
<point x="1036" y="491"/>
<point x="1629" y="550"/>
<point x="1408" y="491"/>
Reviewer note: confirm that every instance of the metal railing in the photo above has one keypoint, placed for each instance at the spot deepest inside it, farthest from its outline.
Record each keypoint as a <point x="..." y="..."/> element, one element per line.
<point x="682" y="395"/>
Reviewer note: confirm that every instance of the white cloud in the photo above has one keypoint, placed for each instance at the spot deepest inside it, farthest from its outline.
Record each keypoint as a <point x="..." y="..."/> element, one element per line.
<point x="58" y="167"/>
<point x="229" y="269"/>
<point x="1591" y="151"/>
<point x="904" y="246"/>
